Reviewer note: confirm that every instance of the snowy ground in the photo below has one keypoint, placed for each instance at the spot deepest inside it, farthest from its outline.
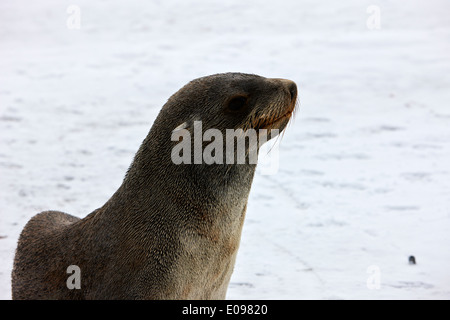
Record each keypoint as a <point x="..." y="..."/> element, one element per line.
<point x="364" y="178"/>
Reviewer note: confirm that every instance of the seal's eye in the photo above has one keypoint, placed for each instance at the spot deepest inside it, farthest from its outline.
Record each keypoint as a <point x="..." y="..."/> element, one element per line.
<point x="237" y="103"/>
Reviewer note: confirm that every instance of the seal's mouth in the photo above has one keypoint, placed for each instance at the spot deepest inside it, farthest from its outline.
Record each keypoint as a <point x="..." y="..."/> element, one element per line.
<point x="278" y="112"/>
<point x="272" y="121"/>
<point x="276" y="123"/>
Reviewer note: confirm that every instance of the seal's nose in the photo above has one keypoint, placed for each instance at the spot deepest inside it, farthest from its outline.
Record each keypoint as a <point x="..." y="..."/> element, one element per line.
<point x="291" y="88"/>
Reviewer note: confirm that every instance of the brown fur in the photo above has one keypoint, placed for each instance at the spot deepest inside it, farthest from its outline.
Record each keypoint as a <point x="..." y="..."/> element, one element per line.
<point x="170" y="231"/>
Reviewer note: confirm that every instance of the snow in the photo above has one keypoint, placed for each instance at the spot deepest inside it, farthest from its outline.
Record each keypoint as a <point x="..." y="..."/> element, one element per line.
<point x="364" y="174"/>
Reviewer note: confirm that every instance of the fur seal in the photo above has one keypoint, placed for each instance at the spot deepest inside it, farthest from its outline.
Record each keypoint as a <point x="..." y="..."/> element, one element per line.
<point x="170" y="231"/>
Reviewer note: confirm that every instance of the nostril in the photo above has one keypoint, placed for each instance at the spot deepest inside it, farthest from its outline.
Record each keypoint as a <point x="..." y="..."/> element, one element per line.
<point x="289" y="86"/>
<point x="293" y="91"/>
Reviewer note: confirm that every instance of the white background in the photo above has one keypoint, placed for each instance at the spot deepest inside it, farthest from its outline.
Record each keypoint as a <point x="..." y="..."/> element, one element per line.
<point x="364" y="175"/>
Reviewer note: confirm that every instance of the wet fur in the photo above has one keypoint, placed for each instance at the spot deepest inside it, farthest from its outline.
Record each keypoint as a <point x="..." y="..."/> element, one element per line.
<point x="169" y="231"/>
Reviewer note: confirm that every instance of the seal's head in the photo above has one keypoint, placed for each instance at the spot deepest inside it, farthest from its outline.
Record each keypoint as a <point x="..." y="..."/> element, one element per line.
<point x="232" y="101"/>
<point x="203" y="112"/>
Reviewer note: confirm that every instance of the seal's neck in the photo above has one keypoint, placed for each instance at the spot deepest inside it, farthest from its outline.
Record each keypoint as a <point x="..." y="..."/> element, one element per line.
<point x="215" y="190"/>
